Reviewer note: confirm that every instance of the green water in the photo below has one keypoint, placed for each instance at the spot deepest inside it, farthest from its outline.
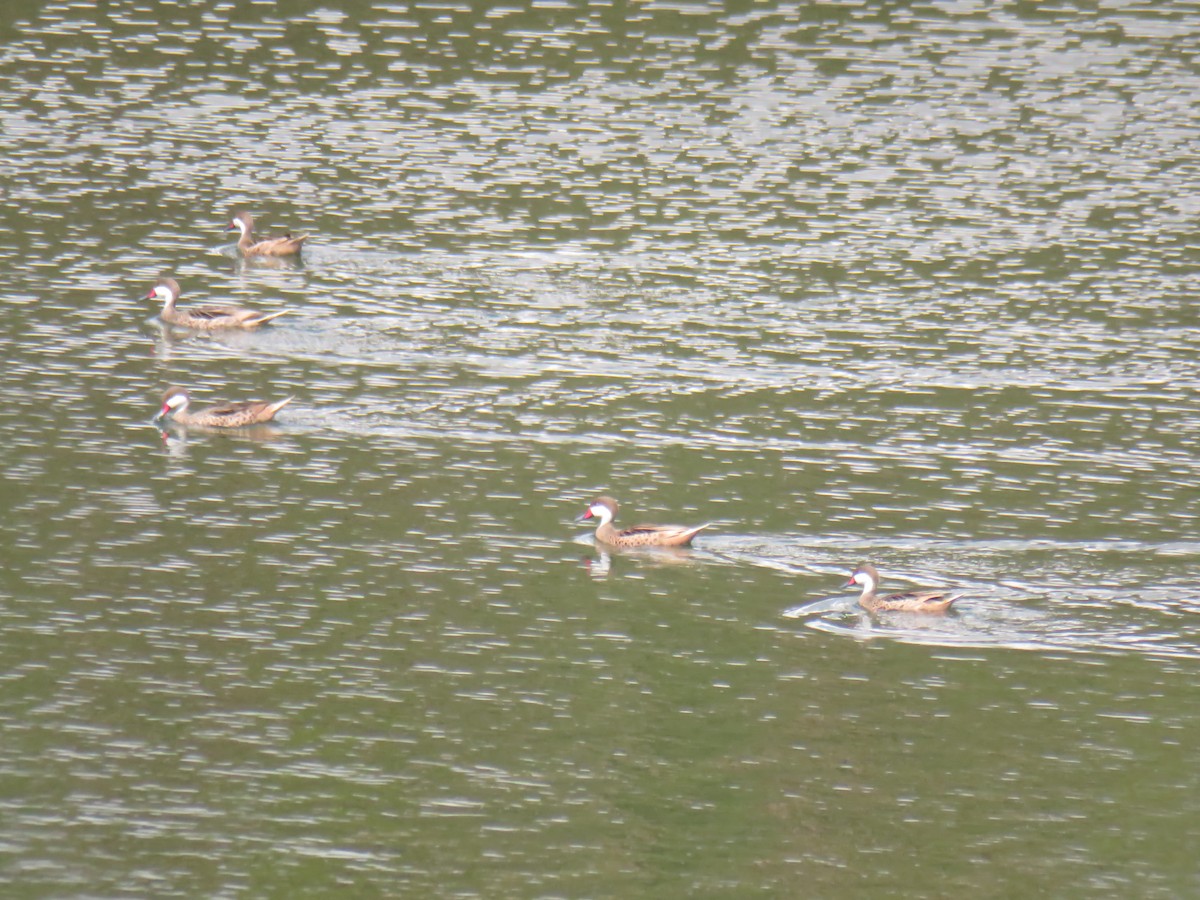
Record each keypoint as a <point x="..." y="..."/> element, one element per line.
<point x="908" y="285"/>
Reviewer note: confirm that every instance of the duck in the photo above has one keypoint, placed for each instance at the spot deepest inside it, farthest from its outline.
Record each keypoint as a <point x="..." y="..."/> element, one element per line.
<point x="175" y="402"/>
<point x="866" y="576"/>
<point x="604" y="509"/>
<point x="251" y="245"/>
<point x="205" y="318"/>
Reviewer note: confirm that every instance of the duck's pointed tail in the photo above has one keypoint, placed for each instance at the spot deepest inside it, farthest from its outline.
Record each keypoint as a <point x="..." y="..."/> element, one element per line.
<point x="275" y="407"/>
<point x="264" y="319"/>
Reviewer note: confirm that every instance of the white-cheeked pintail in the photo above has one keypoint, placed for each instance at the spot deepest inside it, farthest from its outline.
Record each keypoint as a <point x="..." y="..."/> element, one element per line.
<point x="226" y="415"/>
<point x="249" y="244"/>
<point x="205" y="318"/>
<point x="604" y="509"/>
<point x="926" y="601"/>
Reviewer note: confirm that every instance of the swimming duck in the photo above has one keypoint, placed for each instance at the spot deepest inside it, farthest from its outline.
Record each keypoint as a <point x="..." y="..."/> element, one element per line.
<point x="605" y="510"/>
<point x="226" y="415"/>
<point x="251" y="245"/>
<point x="931" y="601"/>
<point x="205" y="318"/>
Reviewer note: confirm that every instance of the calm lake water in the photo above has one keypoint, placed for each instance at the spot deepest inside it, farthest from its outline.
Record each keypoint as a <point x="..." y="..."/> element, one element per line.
<point x="908" y="284"/>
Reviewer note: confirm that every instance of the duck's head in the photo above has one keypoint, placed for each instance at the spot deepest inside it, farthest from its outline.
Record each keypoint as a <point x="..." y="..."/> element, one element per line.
<point x="242" y="222"/>
<point x="865" y="576"/>
<point x="173" y="400"/>
<point x="165" y="289"/>
<point x="602" y="508"/>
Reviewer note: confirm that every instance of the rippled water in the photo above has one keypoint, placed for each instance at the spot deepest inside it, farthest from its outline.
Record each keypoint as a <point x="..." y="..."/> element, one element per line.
<point x="912" y="285"/>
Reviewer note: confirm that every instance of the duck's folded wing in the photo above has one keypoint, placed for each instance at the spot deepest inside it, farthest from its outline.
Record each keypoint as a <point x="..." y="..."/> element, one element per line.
<point x="641" y="529"/>
<point x="213" y="312"/>
<point x="232" y="410"/>
<point x="916" y="596"/>
<point x="914" y="599"/>
<point x="664" y="530"/>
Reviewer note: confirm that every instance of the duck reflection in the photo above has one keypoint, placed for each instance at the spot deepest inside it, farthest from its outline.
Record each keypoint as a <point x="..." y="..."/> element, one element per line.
<point x="177" y="439"/>
<point x="600" y="565"/>
<point x="244" y="264"/>
<point x="174" y="435"/>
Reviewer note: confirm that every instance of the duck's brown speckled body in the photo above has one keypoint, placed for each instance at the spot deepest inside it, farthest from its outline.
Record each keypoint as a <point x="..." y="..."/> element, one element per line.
<point x="604" y="509"/>
<point x="925" y="601"/>
<point x="226" y="415"/>
<point x="249" y="244"/>
<point x="205" y="318"/>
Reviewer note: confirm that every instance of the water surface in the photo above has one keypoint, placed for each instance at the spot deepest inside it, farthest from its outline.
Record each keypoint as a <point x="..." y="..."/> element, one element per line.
<point x="911" y="285"/>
